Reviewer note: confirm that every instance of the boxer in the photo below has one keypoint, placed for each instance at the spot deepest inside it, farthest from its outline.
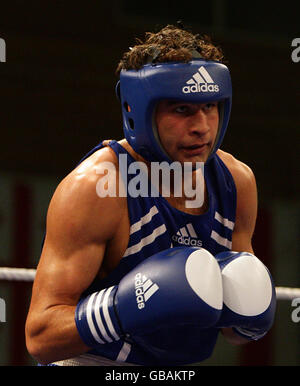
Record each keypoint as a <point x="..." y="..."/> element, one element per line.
<point x="119" y="279"/>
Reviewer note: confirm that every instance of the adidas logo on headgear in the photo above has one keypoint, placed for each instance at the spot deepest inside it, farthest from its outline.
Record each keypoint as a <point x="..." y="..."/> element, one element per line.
<point x="200" y="82"/>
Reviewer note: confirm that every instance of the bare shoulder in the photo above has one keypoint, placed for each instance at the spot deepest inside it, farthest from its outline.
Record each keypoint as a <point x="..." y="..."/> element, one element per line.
<point x="241" y="173"/>
<point x="76" y="203"/>
<point x="246" y="205"/>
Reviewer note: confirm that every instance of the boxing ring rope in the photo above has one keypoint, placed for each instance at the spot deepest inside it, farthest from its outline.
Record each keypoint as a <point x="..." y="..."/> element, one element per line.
<point x="26" y="274"/>
<point x="17" y="274"/>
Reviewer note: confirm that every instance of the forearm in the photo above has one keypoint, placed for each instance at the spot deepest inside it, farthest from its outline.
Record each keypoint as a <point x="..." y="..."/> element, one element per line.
<point x="52" y="335"/>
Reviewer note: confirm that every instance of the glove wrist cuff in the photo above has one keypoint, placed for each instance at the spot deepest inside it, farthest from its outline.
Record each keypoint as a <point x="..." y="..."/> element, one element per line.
<point x="249" y="333"/>
<point x="96" y="320"/>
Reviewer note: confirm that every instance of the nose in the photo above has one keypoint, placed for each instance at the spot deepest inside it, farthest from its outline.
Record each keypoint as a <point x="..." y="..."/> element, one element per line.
<point x="198" y="123"/>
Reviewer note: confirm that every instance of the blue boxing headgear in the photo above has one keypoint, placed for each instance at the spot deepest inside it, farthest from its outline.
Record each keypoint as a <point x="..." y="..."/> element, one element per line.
<point x="198" y="81"/>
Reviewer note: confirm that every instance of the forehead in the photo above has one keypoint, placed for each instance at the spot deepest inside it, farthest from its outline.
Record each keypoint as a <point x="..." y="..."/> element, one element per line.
<point x="172" y="102"/>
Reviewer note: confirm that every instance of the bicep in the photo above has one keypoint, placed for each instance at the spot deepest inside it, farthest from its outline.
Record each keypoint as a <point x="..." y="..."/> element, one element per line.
<point x="246" y="211"/>
<point x="78" y="229"/>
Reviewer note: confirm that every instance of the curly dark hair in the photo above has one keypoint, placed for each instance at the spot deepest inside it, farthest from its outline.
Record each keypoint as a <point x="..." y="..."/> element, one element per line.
<point x="171" y="43"/>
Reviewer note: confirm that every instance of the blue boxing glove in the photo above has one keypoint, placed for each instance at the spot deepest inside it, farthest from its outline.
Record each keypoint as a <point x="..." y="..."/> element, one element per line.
<point x="248" y="294"/>
<point x="173" y="287"/>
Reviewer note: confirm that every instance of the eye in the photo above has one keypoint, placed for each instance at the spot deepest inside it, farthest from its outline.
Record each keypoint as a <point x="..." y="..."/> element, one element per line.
<point x="210" y="105"/>
<point x="181" y="109"/>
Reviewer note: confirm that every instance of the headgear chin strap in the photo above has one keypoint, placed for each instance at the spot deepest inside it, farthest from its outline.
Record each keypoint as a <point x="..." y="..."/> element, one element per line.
<point x="197" y="81"/>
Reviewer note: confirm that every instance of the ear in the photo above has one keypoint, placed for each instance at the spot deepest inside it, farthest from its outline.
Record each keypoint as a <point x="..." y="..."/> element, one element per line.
<point x="117" y="90"/>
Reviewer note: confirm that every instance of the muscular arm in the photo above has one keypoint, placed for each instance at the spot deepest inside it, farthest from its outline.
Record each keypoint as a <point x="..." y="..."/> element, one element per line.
<point x="246" y="213"/>
<point x="79" y="225"/>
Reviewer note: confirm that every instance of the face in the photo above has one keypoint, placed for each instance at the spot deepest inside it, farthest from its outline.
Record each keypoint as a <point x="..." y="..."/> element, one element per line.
<point x="187" y="131"/>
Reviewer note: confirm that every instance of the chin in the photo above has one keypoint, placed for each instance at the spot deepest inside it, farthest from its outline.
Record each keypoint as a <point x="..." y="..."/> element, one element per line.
<point x="195" y="159"/>
<point x="182" y="158"/>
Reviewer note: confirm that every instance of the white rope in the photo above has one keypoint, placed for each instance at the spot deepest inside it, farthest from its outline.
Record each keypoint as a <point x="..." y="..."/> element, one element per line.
<point x="17" y="274"/>
<point x="25" y="274"/>
<point x="285" y="293"/>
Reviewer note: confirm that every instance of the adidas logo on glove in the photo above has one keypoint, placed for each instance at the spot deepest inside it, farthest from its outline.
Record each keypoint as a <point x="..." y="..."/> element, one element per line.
<point x="144" y="289"/>
<point x="200" y="82"/>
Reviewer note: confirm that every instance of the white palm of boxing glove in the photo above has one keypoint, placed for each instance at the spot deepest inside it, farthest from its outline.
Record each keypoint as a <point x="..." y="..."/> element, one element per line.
<point x="248" y="294"/>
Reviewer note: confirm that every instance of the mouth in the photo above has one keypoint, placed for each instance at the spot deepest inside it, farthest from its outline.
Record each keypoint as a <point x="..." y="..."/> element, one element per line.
<point x="195" y="149"/>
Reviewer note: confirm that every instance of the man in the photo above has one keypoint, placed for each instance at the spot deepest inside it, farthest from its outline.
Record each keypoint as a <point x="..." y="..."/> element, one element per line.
<point x="102" y="254"/>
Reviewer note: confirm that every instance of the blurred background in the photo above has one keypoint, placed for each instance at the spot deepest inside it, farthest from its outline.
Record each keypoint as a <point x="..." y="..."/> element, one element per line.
<point x="58" y="102"/>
